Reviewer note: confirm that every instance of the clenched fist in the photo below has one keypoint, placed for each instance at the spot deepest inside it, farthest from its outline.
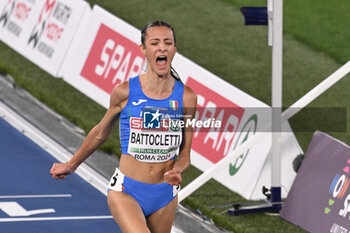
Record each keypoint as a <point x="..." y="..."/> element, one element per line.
<point x="60" y="170"/>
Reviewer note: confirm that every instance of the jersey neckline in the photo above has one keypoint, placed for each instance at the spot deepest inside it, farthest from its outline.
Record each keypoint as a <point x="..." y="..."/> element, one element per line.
<point x="169" y="97"/>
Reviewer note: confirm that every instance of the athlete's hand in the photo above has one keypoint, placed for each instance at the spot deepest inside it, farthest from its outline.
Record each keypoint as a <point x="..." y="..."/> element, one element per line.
<point x="173" y="177"/>
<point x="60" y="170"/>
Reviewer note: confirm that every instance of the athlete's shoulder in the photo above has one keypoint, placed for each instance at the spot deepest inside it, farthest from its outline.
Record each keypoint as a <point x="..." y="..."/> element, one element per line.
<point x="120" y="93"/>
<point x="189" y="93"/>
<point x="189" y="97"/>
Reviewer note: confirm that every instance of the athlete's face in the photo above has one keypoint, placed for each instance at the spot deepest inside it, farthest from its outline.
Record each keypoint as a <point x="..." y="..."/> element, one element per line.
<point x="159" y="49"/>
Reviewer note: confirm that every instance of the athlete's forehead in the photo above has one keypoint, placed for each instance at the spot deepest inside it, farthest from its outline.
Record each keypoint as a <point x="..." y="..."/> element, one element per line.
<point x="159" y="33"/>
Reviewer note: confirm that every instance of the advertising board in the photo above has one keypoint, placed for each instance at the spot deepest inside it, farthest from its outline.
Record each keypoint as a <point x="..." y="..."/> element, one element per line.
<point x="41" y="30"/>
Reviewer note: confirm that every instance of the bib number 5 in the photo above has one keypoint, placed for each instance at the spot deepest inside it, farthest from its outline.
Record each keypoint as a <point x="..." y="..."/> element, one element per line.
<point x="116" y="181"/>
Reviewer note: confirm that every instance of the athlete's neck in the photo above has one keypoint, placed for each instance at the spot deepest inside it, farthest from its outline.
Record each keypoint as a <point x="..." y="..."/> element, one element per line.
<point x="157" y="86"/>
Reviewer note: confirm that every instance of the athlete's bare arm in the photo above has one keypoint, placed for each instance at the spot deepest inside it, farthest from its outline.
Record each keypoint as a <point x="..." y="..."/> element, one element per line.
<point x="98" y="135"/>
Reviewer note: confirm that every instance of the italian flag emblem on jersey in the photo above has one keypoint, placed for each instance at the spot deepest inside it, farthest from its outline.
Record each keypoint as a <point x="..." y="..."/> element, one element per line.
<point x="173" y="104"/>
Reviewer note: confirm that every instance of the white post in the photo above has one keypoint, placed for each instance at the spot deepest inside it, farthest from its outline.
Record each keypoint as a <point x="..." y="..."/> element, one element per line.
<point x="277" y="47"/>
<point x="270" y="22"/>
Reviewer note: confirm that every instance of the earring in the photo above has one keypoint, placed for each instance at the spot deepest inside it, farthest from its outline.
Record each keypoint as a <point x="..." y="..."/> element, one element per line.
<point x="144" y="67"/>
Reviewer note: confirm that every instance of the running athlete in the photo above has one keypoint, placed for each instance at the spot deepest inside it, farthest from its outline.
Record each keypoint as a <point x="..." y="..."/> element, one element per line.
<point x="142" y="193"/>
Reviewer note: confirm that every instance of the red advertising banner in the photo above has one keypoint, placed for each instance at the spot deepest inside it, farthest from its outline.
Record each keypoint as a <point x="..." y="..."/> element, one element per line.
<point x="215" y="144"/>
<point x="112" y="59"/>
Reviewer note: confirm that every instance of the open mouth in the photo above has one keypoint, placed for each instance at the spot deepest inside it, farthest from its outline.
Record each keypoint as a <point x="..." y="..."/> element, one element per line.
<point x="161" y="60"/>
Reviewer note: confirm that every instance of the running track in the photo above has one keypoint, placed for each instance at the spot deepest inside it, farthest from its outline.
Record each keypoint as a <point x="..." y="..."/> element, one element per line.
<point x="31" y="201"/>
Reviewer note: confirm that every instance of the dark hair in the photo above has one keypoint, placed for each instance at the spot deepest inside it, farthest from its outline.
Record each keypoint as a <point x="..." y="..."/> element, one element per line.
<point x="160" y="23"/>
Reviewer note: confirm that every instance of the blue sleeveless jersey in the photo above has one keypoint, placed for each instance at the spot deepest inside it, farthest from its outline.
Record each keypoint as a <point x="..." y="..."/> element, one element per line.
<point x="151" y="129"/>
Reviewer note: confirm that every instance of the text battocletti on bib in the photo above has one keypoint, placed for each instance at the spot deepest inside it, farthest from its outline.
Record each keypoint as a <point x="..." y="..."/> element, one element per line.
<point x="153" y="139"/>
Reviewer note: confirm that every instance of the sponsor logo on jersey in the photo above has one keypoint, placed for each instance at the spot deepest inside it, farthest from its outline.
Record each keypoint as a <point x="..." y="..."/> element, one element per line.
<point x="140" y="101"/>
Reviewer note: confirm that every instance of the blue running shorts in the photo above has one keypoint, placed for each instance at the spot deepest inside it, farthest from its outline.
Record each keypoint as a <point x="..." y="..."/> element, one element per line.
<point x="151" y="197"/>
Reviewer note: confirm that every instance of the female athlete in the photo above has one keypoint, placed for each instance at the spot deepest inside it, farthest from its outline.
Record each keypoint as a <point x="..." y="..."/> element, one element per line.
<point x="142" y="193"/>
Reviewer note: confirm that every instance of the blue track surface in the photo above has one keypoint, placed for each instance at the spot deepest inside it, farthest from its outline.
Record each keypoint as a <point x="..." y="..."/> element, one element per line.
<point x="24" y="170"/>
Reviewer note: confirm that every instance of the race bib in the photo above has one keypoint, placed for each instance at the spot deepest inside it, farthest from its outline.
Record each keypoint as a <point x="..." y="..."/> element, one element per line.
<point x="154" y="141"/>
<point x="176" y="189"/>
<point x="117" y="180"/>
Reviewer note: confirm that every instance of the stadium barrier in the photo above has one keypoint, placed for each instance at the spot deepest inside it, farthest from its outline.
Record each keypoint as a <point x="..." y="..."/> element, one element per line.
<point x="41" y="30"/>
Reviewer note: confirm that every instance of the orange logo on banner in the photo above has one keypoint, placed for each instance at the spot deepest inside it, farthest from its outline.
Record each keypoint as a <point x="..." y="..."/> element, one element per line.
<point x="214" y="144"/>
<point x="112" y="59"/>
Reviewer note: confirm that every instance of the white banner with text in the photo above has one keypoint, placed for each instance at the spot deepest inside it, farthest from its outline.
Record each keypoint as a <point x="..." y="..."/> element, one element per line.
<point x="41" y="30"/>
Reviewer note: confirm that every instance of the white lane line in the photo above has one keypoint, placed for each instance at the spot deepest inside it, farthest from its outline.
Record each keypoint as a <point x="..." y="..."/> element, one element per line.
<point x="53" y="218"/>
<point x="36" y="196"/>
<point x="14" y="209"/>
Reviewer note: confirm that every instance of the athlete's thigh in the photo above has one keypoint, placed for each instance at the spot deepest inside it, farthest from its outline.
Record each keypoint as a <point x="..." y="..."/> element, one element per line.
<point x="162" y="220"/>
<point x="127" y="212"/>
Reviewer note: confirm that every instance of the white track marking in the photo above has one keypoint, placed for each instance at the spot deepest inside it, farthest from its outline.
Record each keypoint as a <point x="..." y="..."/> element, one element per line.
<point x="53" y="218"/>
<point x="13" y="209"/>
<point x="36" y="196"/>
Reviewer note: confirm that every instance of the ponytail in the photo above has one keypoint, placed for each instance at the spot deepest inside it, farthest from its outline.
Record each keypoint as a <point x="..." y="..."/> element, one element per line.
<point x="175" y="75"/>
